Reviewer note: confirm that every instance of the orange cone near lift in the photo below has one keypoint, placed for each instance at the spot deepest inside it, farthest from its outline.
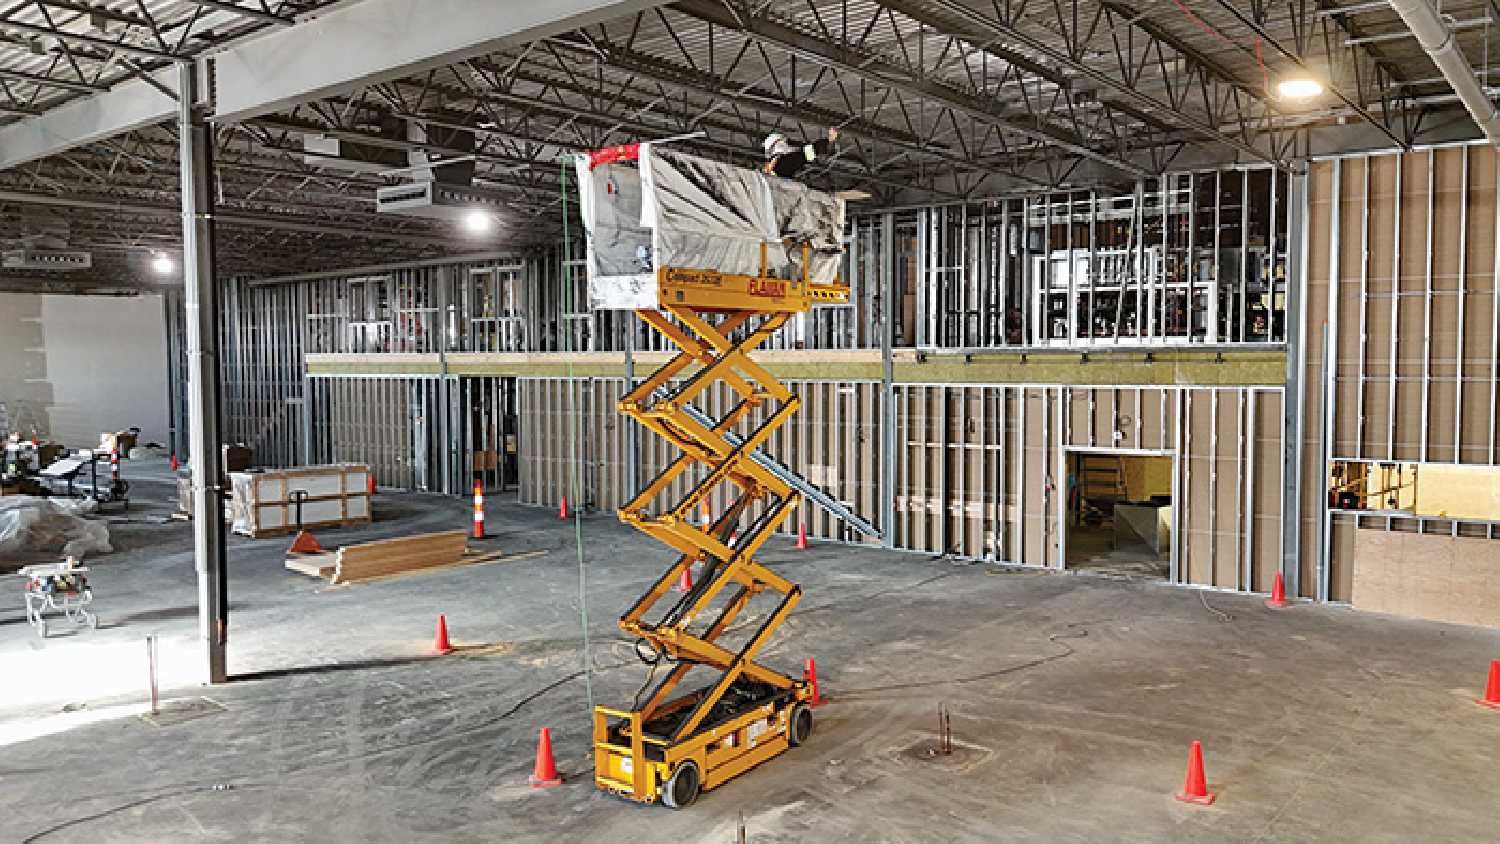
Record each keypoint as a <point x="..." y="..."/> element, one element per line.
<point x="304" y="543"/>
<point x="1278" y="593"/>
<point x="802" y="536"/>
<point x="562" y="508"/>
<point x="1195" y="786"/>
<point x="704" y="513"/>
<point x="685" y="583"/>
<point x="544" y="773"/>
<point x="478" y="511"/>
<point x="810" y="674"/>
<point x="1492" y="688"/>
<point x="440" y="644"/>
<point x="174" y="461"/>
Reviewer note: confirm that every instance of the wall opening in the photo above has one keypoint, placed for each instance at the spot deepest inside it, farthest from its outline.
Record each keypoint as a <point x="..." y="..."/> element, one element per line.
<point x="1119" y="513"/>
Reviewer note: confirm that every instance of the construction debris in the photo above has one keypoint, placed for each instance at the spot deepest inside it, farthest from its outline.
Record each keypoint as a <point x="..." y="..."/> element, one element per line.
<point x="29" y="523"/>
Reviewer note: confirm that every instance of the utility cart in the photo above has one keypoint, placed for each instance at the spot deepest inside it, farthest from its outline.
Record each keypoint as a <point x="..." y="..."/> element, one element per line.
<point x="58" y="588"/>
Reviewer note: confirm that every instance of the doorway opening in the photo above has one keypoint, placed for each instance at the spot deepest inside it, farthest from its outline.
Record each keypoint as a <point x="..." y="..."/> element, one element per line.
<point x="1120" y="514"/>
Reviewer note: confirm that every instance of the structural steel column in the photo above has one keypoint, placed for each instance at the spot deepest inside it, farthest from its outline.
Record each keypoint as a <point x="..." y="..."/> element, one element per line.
<point x="887" y="376"/>
<point x="200" y="302"/>
<point x="1294" y="398"/>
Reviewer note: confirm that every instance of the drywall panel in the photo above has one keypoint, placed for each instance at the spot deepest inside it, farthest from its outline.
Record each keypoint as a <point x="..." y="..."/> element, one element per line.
<point x="1264" y="482"/>
<point x="25" y="389"/>
<point x="98" y="364"/>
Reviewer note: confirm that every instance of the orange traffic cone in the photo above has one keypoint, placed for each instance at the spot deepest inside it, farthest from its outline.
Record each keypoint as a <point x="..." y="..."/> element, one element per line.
<point x="1492" y="689"/>
<point x="801" y="536"/>
<point x="704" y="514"/>
<point x="1278" y="594"/>
<point x="304" y="543"/>
<point x="1195" y="787"/>
<point x="544" y="773"/>
<point x="562" y="508"/>
<point x="174" y="461"/>
<point x="440" y="643"/>
<point x="685" y="583"/>
<point x="810" y="674"/>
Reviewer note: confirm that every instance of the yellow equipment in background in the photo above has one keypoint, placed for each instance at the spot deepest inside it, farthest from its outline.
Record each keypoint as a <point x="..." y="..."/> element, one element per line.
<point x="674" y="747"/>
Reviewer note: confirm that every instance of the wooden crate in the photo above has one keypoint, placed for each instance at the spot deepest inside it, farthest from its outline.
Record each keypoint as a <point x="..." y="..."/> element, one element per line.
<point x="263" y="504"/>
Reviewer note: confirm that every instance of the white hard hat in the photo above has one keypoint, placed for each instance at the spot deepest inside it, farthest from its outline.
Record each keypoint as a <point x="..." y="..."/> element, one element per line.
<point x="773" y="143"/>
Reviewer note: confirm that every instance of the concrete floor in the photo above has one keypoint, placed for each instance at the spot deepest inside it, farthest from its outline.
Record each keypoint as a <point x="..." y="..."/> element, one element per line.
<point x="1073" y="700"/>
<point x="1098" y="551"/>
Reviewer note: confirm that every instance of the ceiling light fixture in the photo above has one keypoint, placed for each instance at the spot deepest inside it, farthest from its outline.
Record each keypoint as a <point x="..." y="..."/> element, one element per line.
<point x="478" y="222"/>
<point x="1299" y="88"/>
<point x="163" y="264"/>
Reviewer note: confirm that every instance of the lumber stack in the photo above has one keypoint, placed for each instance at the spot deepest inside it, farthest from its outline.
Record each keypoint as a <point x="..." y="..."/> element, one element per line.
<point x="385" y="557"/>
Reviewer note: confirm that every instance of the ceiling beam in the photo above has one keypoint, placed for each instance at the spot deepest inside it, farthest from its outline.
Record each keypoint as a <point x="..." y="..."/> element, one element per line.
<point x="260" y="15"/>
<point x="90" y="119"/>
<point x="379" y="40"/>
<point x="229" y="218"/>
<point x="47" y="81"/>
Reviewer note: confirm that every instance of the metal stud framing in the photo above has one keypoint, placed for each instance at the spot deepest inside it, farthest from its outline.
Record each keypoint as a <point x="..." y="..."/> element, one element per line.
<point x="1402" y="245"/>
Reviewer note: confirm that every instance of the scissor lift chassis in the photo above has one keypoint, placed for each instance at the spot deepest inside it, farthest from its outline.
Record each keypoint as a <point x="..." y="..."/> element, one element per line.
<point x="672" y="747"/>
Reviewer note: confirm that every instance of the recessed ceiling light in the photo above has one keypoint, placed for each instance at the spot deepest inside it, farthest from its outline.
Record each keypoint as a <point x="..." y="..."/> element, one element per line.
<point x="163" y="264"/>
<point x="1299" y="88"/>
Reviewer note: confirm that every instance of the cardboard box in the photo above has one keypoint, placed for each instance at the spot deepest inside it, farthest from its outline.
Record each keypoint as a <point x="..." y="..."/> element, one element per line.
<point x="121" y="441"/>
<point x="237" y="458"/>
<point x="49" y="453"/>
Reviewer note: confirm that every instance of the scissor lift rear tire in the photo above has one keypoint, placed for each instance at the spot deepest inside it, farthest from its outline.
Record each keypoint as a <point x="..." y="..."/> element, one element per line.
<point x="683" y="787"/>
<point x="800" y="725"/>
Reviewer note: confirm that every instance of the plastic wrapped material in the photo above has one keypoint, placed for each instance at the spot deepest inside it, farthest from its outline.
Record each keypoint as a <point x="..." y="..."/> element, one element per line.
<point x="707" y="215"/>
<point x="32" y="524"/>
<point x="619" y="246"/>
<point x="804" y="215"/>
<point x="669" y="209"/>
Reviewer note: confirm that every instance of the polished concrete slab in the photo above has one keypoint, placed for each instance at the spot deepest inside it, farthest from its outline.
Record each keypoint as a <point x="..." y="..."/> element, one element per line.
<point x="1073" y="699"/>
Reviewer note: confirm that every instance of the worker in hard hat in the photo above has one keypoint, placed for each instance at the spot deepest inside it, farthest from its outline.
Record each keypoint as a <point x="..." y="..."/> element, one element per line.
<point x="785" y="159"/>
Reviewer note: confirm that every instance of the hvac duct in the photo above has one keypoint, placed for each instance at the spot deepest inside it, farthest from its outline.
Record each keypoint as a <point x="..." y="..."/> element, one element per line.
<point x="1437" y="38"/>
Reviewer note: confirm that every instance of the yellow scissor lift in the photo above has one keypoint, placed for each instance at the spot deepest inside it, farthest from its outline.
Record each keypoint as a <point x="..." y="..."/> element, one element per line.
<point x="673" y="747"/>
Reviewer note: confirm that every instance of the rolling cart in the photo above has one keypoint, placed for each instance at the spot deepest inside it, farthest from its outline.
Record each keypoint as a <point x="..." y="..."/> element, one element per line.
<point x="58" y="588"/>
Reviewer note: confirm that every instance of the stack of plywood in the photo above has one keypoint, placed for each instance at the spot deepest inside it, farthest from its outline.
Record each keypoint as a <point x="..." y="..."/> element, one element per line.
<point x="385" y="557"/>
<point x="265" y="502"/>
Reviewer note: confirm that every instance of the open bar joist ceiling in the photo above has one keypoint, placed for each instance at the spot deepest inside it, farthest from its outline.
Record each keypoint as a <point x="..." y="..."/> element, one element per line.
<point x="938" y="100"/>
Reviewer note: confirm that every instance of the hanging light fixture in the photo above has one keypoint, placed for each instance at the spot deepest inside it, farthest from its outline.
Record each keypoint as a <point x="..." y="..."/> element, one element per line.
<point x="1299" y="88"/>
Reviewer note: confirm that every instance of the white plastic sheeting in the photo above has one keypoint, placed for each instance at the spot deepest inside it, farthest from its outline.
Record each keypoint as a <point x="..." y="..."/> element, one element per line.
<point x="668" y="209"/>
<point x="32" y="524"/>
